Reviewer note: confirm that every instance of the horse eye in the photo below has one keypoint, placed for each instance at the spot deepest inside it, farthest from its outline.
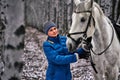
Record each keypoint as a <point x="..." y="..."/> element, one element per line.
<point x="83" y="19"/>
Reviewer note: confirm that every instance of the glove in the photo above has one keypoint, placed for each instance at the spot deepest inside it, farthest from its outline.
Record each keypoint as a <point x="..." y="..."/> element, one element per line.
<point x="82" y="53"/>
<point x="79" y="51"/>
<point x="87" y="44"/>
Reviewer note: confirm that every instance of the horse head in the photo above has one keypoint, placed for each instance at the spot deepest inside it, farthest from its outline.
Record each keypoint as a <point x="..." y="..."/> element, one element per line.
<point x="82" y="24"/>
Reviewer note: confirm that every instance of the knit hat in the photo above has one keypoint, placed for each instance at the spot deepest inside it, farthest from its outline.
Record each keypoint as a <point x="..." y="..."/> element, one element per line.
<point x="47" y="26"/>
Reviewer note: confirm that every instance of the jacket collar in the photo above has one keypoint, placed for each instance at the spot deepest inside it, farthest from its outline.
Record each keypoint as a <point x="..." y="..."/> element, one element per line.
<point x="54" y="39"/>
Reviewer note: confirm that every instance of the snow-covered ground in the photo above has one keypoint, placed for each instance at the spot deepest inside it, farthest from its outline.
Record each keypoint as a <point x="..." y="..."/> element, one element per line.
<point x="35" y="61"/>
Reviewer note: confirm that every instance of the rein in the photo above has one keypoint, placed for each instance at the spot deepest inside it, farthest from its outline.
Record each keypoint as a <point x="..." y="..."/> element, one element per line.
<point x="100" y="53"/>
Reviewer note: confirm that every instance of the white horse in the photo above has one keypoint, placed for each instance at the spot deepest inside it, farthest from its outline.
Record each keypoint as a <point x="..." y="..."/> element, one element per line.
<point x="88" y="20"/>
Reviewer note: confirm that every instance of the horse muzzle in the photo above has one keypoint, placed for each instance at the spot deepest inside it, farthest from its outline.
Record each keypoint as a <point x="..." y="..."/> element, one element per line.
<point x="72" y="45"/>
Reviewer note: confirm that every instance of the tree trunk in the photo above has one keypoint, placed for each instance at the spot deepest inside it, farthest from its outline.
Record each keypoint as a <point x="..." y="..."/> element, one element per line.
<point x="13" y="13"/>
<point x="111" y="8"/>
<point x="107" y="5"/>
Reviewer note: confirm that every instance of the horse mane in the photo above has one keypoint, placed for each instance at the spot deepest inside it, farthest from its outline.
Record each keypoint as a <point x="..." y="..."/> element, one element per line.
<point x="95" y="5"/>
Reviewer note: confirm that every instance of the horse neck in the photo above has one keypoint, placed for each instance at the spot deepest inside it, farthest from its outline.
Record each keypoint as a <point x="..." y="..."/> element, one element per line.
<point x="103" y="32"/>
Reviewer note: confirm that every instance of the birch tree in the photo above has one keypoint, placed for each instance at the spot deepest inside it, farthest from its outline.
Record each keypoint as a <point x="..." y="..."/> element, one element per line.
<point x="12" y="25"/>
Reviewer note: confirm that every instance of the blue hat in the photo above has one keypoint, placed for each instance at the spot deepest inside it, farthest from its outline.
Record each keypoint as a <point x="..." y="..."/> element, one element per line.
<point x="47" y="26"/>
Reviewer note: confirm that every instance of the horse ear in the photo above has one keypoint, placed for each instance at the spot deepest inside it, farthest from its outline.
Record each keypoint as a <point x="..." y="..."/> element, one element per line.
<point x="77" y="2"/>
<point x="89" y="4"/>
<point x="80" y="7"/>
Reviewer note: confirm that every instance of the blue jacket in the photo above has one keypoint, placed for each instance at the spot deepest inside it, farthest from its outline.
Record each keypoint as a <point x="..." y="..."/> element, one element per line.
<point x="59" y="58"/>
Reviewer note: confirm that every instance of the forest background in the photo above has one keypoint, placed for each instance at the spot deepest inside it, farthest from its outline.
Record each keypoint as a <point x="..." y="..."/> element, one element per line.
<point x="31" y="15"/>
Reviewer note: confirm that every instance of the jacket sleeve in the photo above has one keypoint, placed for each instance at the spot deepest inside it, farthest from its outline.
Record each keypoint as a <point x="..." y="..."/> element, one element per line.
<point x="53" y="56"/>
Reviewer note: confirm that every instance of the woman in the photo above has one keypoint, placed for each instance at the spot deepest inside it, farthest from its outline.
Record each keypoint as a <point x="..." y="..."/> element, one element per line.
<point x="57" y="54"/>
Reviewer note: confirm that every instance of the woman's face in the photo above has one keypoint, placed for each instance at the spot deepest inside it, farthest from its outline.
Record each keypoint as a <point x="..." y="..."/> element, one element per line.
<point x="53" y="32"/>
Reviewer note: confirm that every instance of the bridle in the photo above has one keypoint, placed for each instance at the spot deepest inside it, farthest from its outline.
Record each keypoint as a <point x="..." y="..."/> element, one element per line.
<point x="79" y="40"/>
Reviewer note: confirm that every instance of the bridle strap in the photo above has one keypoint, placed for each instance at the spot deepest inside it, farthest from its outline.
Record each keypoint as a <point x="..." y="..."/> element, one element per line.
<point x="76" y="33"/>
<point x="75" y="41"/>
<point x="90" y="17"/>
<point x="82" y="12"/>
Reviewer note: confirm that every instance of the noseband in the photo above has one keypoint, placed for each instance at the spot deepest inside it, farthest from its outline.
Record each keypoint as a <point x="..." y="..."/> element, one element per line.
<point x="78" y="41"/>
